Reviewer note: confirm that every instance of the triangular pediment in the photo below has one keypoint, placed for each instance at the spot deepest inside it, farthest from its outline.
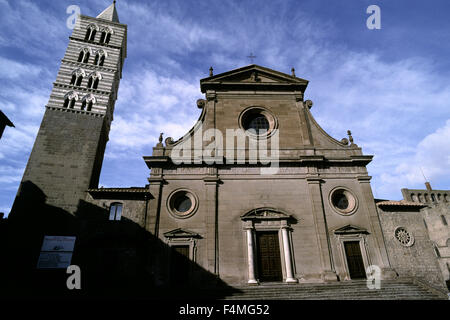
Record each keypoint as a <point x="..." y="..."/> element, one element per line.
<point x="265" y="213"/>
<point x="181" y="233"/>
<point x="253" y="75"/>
<point x="350" y="229"/>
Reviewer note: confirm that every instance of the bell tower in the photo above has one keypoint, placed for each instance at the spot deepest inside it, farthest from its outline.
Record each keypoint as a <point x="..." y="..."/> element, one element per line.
<point x="67" y="155"/>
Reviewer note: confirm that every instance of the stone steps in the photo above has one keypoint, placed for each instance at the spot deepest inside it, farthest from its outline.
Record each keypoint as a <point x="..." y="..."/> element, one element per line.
<point x="348" y="290"/>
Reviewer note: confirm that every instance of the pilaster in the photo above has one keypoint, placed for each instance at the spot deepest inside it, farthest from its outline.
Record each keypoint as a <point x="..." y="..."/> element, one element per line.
<point x="314" y="185"/>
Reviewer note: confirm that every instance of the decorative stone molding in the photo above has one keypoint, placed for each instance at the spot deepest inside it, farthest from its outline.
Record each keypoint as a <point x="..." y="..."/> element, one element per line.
<point x="201" y="103"/>
<point x="404" y="237"/>
<point x="308" y="104"/>
<point x="172" y="202"/>
<point x="352" y="233"/>
<point x="71" y="95"/>
<point x="245" y="115"/>
<point x="343" y="201"/>
<point x="269" y="219"/>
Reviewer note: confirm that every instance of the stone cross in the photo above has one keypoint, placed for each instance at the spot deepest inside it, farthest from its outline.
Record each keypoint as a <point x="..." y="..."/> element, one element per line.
<point x="251" y="57"/>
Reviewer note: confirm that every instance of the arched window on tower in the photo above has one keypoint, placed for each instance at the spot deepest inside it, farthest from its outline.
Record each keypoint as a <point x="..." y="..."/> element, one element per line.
<point x="77" y="77"/>
<point x="94" y="79"/>
<point x="88" y="102"/>
<point x="100" y="58"/>
<point x="106" y="35"/>
<point x="90" y="32"/>
<point x="69" y="99"/>
<point x="84" y="55"/>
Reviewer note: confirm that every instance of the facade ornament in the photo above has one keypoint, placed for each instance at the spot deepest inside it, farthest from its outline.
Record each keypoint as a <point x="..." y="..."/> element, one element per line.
<point x="169" y="141"/>
<point x="72" y="95"/>
<point x="309" y="104"/>
<point x="200" y="103"/>
<point x="293" y="71"/>
<point x="344" y="141"/>
<point x="254" y="76"/>
<point x="89" y="98"/>
<point x="211" y="71"/>
<point x="159" y="144"/>
<point x="350" y="138"/>
<point x="79" y="72"/>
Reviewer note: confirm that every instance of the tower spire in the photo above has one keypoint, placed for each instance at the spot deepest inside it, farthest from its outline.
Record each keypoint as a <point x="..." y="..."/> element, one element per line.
<point x="110" y="13"/>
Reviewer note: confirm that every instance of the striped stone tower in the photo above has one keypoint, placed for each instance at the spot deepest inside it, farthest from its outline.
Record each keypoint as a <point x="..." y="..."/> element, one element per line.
<point x="67" y="155"/>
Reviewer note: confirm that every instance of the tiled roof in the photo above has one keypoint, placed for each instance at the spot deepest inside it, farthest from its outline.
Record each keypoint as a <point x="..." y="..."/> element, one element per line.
<point x="132" y="189"/>
<point x="401" y="203"/>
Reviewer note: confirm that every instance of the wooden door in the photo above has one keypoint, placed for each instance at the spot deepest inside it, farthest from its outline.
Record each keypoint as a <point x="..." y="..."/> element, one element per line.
<point x="354" y="260"/>
<point x="180" y="265"/>
<point x="268" y="253"/>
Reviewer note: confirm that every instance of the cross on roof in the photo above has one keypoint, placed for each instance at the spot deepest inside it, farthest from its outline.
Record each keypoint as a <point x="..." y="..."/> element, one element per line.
<point x="251" y="56"/>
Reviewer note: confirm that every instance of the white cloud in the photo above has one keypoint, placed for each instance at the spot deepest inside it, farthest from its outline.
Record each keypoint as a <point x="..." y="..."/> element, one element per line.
<point x="149" y="104"/>
<point x="431" y="155"/>
<point x="13" y="70"/>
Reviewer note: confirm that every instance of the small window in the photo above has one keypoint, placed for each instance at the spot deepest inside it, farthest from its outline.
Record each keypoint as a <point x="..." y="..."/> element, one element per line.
<point x="102" y="37"/>
<point x="258" y="123"/>
<point x="99" y="59"/>
<point x="92" y="38"/>
<point x="86" y="57"/>
<point x="444" y="221"/>
<point x="90" y="33"/>
<point x="404" y="237"/>
<point x="93" y="82"/>
<point x="79" y="80"/>
<point x="436" y="251"/>
<point x="433" y="198"/>
<point x="115" y="211"/>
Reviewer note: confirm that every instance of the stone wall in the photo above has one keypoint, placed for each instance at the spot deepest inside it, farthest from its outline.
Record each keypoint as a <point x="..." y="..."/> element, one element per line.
<point x="417" y="259"/>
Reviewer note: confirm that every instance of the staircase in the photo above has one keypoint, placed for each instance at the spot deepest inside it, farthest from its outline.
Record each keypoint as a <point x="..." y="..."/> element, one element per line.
<point x="407" y="289"/>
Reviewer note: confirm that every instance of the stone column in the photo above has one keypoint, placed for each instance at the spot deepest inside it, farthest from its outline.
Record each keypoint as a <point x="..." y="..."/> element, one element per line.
<point x="251" y="257"/>
<point x="287" y="256"/>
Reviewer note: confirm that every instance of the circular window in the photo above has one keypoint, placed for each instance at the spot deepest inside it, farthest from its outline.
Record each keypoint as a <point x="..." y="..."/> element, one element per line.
<point x="404" y="237"/>
<point x="182" y="203"/>
<point x="257" y="122"/>
<point x="343" y="201"/>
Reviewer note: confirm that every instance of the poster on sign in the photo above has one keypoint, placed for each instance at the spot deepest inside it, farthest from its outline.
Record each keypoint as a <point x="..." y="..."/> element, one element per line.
<point x="56" y="252"/>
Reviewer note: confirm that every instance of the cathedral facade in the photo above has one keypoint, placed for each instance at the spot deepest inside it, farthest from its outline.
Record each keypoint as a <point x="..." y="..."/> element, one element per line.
<point x="256" y="192"/>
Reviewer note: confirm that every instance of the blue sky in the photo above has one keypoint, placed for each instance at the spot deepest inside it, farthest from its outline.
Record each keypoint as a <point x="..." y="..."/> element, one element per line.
<point x="389" y="86"/>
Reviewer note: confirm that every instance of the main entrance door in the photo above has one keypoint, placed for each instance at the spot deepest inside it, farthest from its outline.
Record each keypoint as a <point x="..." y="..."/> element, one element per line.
<point x="354" y="260"/>
<point x="179" y="265"/>
<point x="268" y="253"/>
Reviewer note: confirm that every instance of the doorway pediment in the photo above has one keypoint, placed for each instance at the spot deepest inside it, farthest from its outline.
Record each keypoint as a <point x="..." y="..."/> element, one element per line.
<point x="351" y="229"/>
